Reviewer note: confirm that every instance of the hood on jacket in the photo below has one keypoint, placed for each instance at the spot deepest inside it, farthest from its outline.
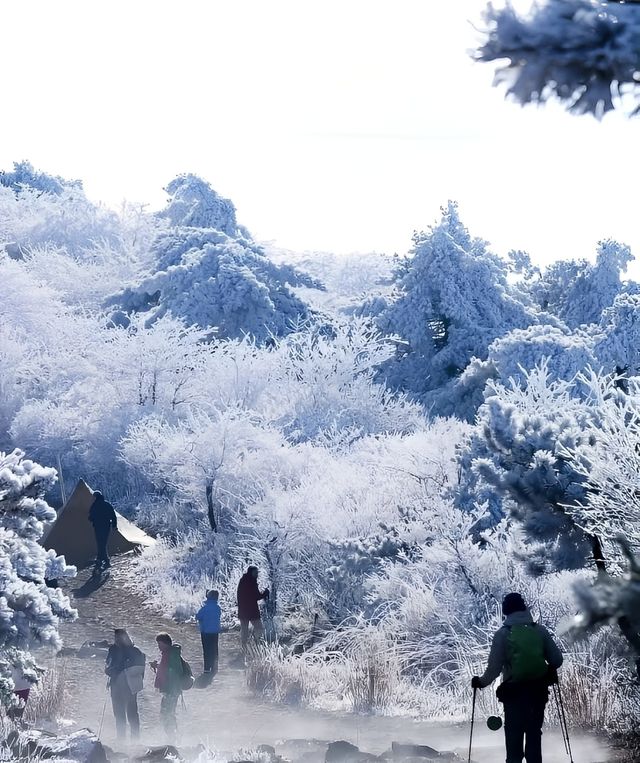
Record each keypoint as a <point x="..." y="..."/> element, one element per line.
<point x="519" y="618"/>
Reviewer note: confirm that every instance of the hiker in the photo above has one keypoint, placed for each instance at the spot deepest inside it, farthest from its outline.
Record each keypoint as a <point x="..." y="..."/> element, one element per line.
<point x="208" y="618"/>
<point x="170" y="673"/>
<point x="103" y="517"/>
<point x="248" y="613"/>
<point x="528" y="658"/>
<point x="125" y="665"/>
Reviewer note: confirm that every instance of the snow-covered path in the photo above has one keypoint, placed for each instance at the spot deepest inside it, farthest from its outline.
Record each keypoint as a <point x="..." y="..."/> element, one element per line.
<point x="227" y="716"/>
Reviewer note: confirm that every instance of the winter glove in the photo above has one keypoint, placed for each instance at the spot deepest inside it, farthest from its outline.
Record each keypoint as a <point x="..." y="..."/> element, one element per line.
<point x="476" y="683"/>
<point x="552" y="676"/>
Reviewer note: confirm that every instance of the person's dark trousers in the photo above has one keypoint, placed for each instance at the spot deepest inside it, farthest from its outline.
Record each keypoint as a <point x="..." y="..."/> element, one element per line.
<point x="523" y="719"/>
<point x="125" y="707"/>
<point x="210" y="652"/>
<point x="102" y="539"/>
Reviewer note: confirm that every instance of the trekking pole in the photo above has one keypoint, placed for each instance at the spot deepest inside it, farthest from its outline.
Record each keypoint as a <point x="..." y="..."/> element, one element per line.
<point x="566" y="725"/>
<point x="473" y="717"/>
<point x="104" y="707"/>
<point x="562" y="729"/>
<point x="564" y="722"/>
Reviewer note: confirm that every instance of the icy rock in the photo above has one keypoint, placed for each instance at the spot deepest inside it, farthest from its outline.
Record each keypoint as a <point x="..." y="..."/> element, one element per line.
<point x="267" y="749"/>
<point x="34" y="744"/>
<point x="345" y="752"/>
<point x="165" y="752"/>
<point x="420" y="753"/>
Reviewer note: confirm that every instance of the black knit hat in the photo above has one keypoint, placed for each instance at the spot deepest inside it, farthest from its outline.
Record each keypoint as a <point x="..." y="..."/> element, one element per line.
<point x="513" y="602"/>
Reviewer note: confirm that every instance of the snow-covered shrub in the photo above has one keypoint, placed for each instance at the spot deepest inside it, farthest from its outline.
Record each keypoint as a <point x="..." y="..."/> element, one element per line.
<point x="30" y="611"/>
<point x="38" y="209"/>
<point x="329" y="385"/>
<point x="563" y="353"/>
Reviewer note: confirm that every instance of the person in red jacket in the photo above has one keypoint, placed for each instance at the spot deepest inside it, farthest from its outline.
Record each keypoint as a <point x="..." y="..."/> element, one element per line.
<point x="248" y="612"/>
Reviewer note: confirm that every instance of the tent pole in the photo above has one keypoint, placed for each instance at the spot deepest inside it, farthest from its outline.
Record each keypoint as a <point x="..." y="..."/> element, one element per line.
<point x="62" y="490"/>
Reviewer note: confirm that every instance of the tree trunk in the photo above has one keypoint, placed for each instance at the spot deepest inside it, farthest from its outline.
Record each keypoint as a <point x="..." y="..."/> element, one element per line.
<point x="210" y="506"/>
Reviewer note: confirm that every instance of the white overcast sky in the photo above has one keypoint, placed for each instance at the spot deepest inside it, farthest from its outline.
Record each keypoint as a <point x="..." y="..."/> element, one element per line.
<point x="338" y="125"/>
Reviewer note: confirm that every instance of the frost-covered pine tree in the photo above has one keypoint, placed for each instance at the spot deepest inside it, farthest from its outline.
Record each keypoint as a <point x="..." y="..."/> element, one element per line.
<point x="194" y="203"/>
<point x="30" y="612"/>
<point x="209" y="273"/>
<point x="618" y="343"/>
<point x="576" y="291"/>
<point x="563" y="457"/>
<point x="453" y="300"/>
<point x="584" y="53"/>
<point x="518" y="456"/>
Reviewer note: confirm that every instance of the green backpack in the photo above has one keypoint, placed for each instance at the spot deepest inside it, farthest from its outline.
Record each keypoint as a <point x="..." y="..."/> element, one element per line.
<point x="525" y="652"/>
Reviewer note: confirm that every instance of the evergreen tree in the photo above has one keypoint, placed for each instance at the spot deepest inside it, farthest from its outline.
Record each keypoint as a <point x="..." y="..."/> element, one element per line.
<point x="584" y="53"/>
<point x="29" y="610"/>
<point x="576" y="291"/>
<point x="453" y="300"/>
<point x="618" y="345"/>
<point x="210" y="276"/>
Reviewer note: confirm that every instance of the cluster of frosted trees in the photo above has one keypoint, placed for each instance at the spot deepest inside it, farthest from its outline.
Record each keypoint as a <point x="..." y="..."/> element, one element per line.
<point x="448" y="428"/>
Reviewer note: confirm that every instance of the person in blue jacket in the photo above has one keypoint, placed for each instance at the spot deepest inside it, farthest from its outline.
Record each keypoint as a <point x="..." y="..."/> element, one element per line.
<point x="208" y="618"/>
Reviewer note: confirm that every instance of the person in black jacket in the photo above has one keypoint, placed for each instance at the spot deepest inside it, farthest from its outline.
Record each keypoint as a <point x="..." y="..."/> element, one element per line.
<point x="248" y="612"/>
<point x="125" y="667"/>
<point x="103" y="517"/>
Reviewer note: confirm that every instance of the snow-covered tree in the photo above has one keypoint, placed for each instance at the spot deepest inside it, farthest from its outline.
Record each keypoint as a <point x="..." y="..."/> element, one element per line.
<point x="209" y="275"/>
<point x="519" y="450"/>
<point x="584" y="53"/>
<point x="577" y="291"/>
<point x="193" y="203"/>
<point x="617" y="344"/>
<point x="30" y="612"/>
<point x="329" y="385"/>
<point x="564" y="458"/>
<point x="453" y="300"/>
<point x="24" y="175"/>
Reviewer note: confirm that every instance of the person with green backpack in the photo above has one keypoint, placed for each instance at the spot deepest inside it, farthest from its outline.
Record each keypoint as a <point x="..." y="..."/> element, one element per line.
<point x="173" y="676"/>
<point x="528" y="658"/>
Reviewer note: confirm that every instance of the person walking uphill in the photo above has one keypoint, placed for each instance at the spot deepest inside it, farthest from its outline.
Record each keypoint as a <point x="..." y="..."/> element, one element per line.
<point x="248" y="613"/>
<point x="125" y="665"/>
<point x="208" y="618"/>
<point x="103" y="517"/>
<point x="528" y="658"/>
